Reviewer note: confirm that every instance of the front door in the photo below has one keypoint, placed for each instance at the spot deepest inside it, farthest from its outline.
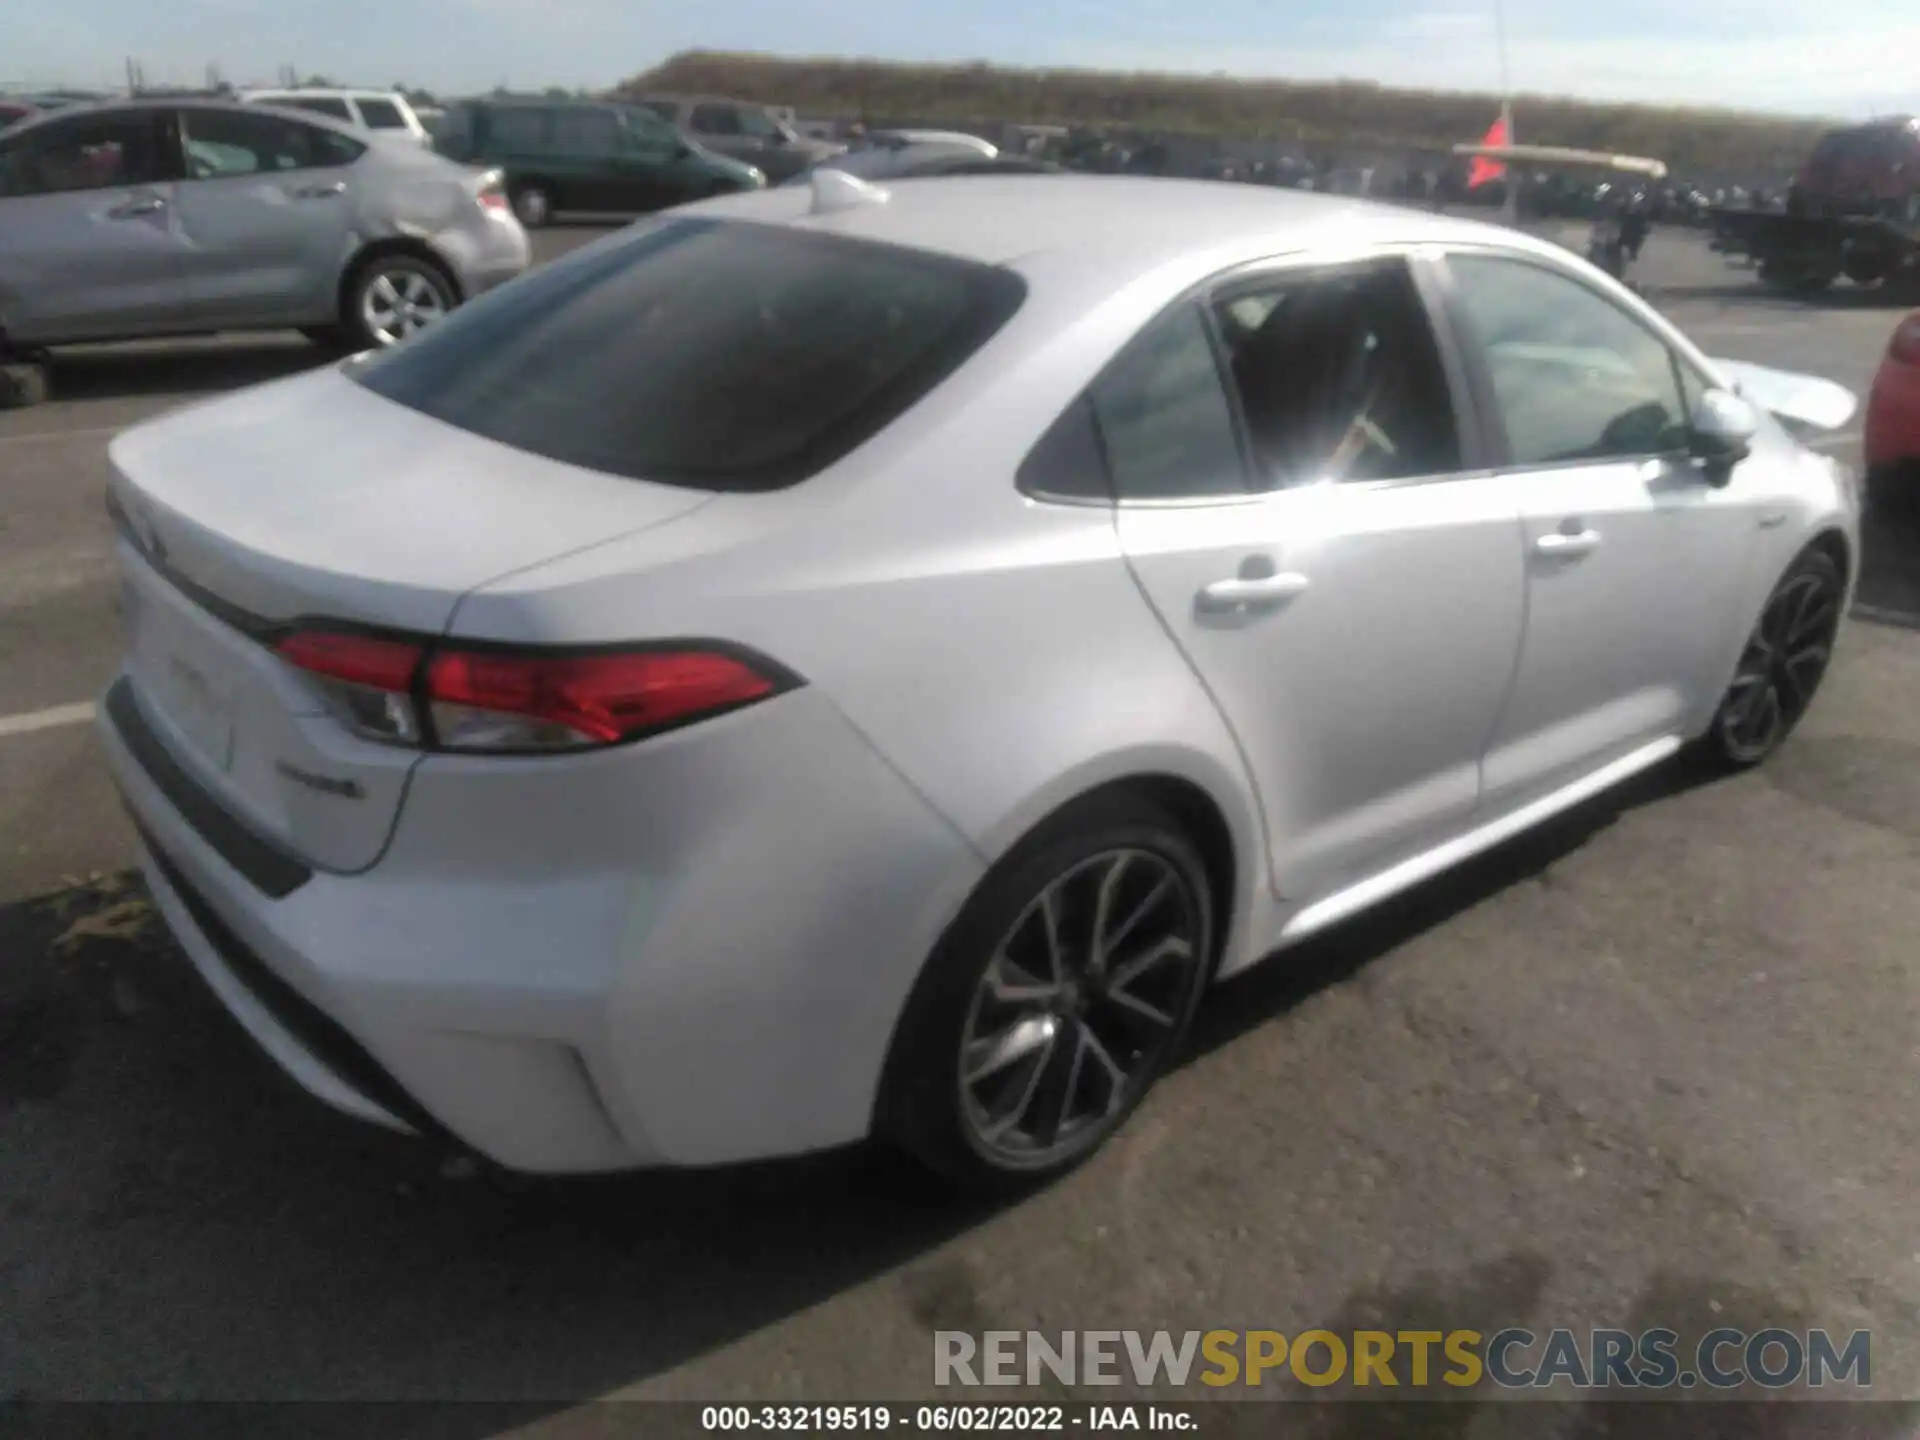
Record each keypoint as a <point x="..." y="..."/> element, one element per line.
<point x="265" y="210"/>
<point x="1313" y="536"/>
<point x="1634" y="561"/>
<point x="588" y="148"/>
<point x="90" y="243"/>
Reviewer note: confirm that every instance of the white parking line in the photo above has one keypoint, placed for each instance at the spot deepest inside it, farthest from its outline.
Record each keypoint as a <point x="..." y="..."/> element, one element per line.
<point x="76" y="714"/>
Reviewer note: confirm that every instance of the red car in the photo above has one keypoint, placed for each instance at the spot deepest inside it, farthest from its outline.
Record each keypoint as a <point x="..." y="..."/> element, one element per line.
<point x="1892" y="439"/>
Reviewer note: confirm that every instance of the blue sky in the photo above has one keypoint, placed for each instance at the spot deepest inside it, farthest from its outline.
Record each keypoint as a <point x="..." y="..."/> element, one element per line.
<point x="1842" y="57"/>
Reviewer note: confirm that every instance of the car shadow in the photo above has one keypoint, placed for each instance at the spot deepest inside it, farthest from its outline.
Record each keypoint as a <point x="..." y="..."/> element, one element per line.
<point x="227" y="1238"/>
<point x="1889" y="587"/>
<point x="1273" y="988"/>
<point x="184" y="367"/>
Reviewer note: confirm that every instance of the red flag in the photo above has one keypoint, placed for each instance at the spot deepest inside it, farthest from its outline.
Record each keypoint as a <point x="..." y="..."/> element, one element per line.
<point x="1483" y="168"/>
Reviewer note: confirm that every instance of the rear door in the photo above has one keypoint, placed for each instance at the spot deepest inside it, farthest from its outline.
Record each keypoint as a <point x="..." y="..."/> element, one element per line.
<point x="265" y="211"/>
<point x="90" y="240"/>
<point x="1634" y="561"/>
<point x="1299" y="500"/>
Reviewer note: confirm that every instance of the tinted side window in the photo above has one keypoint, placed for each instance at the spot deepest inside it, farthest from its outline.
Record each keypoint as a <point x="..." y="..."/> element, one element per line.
<point x="1163" y="417"/>
<point x="330" y="106"/>
<point x="86" y="152"/>
<point x="648" y="131"/>
<point x="1067" y="461"/>
<point x="518" y="127"/>
<point x="381" y="115"/>
<point x="716" y="120"/>
<point x="1339" y="376"/>
<point x="239" y="142"/>
<point x="1574" y="377"/>
<point x="585" y="131"/>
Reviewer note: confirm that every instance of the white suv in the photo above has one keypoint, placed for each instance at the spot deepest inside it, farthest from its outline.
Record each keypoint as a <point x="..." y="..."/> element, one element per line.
<point x="383" y="114"/>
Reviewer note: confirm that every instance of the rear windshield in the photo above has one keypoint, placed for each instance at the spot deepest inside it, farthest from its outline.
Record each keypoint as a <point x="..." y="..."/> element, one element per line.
<point x="723" y="356"/>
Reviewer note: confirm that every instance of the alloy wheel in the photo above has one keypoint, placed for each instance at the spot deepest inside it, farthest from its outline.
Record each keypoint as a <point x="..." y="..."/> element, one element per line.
<point x="1078" y="1007"/>
<point x="399" y="302"/>
<point x="1782" y="666"/>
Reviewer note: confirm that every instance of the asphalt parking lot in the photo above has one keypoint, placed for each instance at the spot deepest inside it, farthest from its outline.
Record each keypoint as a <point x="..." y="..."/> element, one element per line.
<point x="1655" y="1067"/>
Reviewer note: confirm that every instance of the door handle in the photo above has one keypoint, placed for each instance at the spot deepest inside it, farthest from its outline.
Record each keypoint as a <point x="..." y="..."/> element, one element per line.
<point x="134" y="209"/>
<point x="1561" y="543"/>
<point x="319" y="192"/>
<point x="1243" y="592"/>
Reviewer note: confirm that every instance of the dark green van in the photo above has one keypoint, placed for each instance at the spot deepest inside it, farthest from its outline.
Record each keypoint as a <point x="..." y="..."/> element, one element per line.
<point x="584" y="156"/>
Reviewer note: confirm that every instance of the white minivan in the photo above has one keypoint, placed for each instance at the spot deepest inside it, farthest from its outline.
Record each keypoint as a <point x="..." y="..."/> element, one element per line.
<point x="383" y="114"/>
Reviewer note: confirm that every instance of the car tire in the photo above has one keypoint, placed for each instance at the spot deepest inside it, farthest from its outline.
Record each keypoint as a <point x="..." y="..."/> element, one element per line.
<point x="1016" y="1058"/>
<point x="391" y="296"/>
<point x="1781" y="666"/>
<point x="1893" y="497"/>
<point x="532" y="205"/>
<point x="23" y="383"/>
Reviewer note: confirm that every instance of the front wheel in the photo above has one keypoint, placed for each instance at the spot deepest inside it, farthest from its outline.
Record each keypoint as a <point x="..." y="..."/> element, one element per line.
<point x="1056" y="999"/>
<point x="1785" y="659"/>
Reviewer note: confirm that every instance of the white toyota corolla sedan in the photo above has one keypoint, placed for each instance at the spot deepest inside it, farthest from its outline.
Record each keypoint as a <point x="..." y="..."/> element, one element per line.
<point x="840" y="662"/>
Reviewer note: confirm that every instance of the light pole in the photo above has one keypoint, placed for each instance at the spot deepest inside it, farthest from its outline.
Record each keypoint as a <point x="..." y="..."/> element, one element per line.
<point x="1511" y="206"/>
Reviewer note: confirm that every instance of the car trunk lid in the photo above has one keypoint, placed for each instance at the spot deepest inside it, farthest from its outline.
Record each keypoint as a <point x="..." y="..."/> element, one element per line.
<point x="308" y="500"/>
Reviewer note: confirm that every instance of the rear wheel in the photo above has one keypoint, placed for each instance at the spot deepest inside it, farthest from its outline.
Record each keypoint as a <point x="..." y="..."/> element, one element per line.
<point x="391" y="297"/>
<point x="1057" y="998"/>
<point x="533" y="204"/>
<point x="23" y="383"/>
<point x="1785" y="659"/>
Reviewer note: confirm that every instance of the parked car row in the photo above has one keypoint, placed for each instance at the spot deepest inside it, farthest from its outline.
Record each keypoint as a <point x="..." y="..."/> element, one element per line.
<point x="162" y="217"/>
<point x="587" y="156"/>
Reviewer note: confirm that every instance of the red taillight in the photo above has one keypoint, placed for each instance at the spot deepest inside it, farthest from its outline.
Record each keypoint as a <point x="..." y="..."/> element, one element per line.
<point x="365" y="678"/>
<point x="521" y="700"/>
<point x="491" y="191"/>
<point x="368" y="660"/>
<point x="1905" y="345"/>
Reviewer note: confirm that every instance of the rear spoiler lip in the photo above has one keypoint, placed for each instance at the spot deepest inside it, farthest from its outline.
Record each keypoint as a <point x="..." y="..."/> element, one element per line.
<point x="1798" y="399"/>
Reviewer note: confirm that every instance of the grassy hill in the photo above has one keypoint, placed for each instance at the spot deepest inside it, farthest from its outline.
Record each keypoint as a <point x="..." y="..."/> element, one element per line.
<point x="1313" y="114"/>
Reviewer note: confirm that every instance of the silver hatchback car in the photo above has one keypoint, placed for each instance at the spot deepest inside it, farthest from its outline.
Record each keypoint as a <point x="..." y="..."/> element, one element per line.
<point x="125" y="221"/>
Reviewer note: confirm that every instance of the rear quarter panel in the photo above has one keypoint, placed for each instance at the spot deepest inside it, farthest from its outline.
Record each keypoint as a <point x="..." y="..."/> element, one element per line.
<point x="994" y="649"/>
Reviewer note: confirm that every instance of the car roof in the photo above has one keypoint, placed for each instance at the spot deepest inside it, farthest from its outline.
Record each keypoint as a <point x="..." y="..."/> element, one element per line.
<point x="155" y="102"/>
<point x="1118" y="226"/>
<point x="317" y="92"/>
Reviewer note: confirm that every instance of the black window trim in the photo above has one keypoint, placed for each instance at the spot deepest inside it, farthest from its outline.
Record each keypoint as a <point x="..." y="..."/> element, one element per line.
<point x="1476" y="450"/>
<point x="1499" y="448"/>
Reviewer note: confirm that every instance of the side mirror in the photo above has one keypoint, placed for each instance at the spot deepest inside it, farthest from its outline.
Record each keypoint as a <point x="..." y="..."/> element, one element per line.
<point x="1723" y="428"/>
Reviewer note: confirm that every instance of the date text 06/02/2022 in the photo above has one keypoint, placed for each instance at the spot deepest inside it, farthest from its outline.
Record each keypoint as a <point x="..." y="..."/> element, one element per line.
<point x="943" y="1418"/>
